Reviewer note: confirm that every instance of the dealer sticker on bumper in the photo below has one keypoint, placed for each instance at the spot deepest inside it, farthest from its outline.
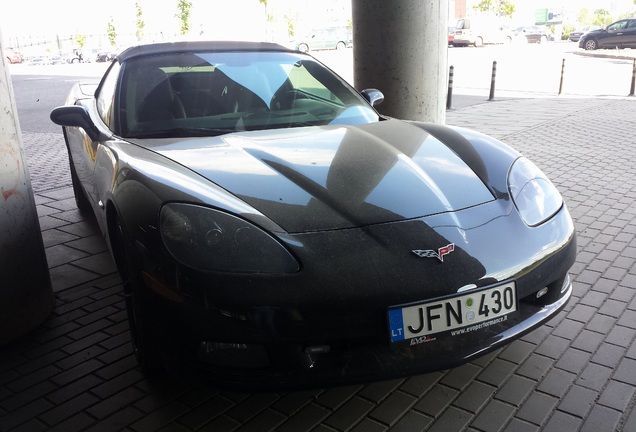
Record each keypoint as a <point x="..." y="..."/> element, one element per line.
<point x="458" y="314"/>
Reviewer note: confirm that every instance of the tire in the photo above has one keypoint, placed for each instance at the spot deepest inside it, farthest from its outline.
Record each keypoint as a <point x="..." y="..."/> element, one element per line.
<point x="81" y="200"/>
<point x="142" y="337"/>
<point x="303" y="47"/>
<point x="543" y="39"/>
<point x="340" y="45"/>
<point x="590" y="45"/>
<point x="479" y="42"/>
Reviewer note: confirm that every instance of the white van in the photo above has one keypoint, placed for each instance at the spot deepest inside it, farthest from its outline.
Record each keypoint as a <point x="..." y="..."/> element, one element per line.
<point x="480" y="31"/>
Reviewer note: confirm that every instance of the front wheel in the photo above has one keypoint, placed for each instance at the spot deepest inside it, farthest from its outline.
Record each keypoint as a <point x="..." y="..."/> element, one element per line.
<point x="81" y="200"/>
<point x="303" y="47"/>
<point x="591" y="45"/>
<point x="144" y="344"/>
<point x="543" y="39"/>
<point x="340" y="45"/>
<point x="479" y="42"/>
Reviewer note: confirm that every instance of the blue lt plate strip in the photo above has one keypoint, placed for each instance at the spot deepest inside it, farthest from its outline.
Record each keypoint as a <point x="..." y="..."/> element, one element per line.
<point x="396" y="325"/>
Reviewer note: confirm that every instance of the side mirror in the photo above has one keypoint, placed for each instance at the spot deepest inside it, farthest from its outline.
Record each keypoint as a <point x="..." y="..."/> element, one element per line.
<point x="373" y="96"/>
<point x="76" y="116"/>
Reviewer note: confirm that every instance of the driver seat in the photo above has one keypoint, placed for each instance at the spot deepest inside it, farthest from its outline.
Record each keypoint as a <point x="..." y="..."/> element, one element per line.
<point x="161" y="102"/>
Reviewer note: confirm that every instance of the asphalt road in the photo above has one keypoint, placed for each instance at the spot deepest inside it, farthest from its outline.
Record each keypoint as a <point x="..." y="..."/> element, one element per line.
<point x="36" y="96"/>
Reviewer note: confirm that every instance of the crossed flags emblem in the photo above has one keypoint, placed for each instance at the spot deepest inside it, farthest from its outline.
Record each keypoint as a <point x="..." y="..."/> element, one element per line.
<point x="439" y="254"/>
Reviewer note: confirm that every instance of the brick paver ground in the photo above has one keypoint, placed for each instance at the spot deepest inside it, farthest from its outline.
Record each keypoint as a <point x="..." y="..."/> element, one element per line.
<point x="76" y="372"/>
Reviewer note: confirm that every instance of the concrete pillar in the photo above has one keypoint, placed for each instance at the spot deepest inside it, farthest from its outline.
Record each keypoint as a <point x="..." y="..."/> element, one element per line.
<point x="26" y="296"/>
<point x="401" y="48"/>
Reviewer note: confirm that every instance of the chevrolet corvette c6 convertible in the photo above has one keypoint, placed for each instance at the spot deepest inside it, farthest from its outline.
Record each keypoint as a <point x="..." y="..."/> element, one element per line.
<point x="273" y="230"/>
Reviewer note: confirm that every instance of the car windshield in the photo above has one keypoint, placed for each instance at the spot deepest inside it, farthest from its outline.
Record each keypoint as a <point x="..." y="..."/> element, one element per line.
<point x="195" y="94"/>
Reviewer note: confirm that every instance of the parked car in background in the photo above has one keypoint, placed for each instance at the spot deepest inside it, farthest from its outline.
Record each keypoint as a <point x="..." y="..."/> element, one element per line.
<point x="273" y="230"/>
<point x="13" y="56"/>
<point x="56" y="60"/>
<point x="576" y="34"/>
<point x="105" y="56"/>
<point x="532" y="34"/>
<point x="329" y="38"/>
<point x="39" y="61"/>
<point x="620" y="34"/>
<point x="481" y="31"/>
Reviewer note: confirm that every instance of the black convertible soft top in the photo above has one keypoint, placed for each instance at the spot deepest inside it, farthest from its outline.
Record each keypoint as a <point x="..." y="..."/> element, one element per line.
<point x="193" y="46"/>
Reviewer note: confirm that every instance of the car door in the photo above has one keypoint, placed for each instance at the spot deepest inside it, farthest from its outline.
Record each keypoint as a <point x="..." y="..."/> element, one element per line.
<point x="82" y="149"/>
<point x="615" y="35"/>
<point x="630" y="35"/>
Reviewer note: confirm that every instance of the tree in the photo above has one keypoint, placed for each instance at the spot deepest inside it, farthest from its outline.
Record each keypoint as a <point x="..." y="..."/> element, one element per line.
<point x="184" y="7"/>
<point x="291" y="25"/>
<point x="584" y="17"/>
<point x="270" y="18"/>
<point x="602" y="17"/>
<point x="507" y="9"/>
<point x="140" y="24"/>
<point x="503" y="8"/>
<point x="111" y="32"/>
<point x="80" y="40"/>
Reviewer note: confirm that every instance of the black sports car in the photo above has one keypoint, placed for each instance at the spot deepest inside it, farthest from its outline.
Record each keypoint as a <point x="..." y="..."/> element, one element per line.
<point x="273" y="230"/>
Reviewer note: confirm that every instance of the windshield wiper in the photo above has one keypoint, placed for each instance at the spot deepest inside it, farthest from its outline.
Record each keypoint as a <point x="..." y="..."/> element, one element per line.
<point x="181" y="132"/>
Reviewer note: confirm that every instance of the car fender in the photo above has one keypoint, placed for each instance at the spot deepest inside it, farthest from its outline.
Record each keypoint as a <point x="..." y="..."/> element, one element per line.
<point x="137" y="182"/>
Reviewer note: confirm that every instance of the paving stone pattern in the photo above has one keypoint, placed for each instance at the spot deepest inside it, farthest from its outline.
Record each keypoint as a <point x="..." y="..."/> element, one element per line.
<point x="76" y="372"/>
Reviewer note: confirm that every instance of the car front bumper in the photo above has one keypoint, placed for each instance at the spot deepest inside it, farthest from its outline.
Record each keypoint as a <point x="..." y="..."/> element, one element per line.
<point x="282" y="337"/>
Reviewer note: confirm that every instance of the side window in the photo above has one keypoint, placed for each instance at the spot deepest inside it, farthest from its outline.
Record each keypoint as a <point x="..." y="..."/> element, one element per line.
<point x="106" y="96"/>
<point x="632" y="24"/>
<point x="617" y="26"/>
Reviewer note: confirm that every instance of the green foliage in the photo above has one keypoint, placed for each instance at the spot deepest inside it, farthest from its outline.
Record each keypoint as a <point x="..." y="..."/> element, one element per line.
<point x="584" y="17"/>
<point x="111" y="32"/>
<point x="567" y="29"/>
<point x="291" y="23"/>
<point x="80" y="40"/>
<point x="140" y="24"/>
<point x="507" y="9"/>
<point x="183" y="15"/>
<point x="498" y="7"/>
<point x="602" y="17"/>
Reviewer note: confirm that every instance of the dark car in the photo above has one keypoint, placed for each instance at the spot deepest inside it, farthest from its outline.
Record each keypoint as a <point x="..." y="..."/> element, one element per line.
<point x="532" y="34"/>
<point x="576" y="35"/>
<point x="621" y="34"/>
<point x="273" y="230"/>
<point x="104" y="56"/>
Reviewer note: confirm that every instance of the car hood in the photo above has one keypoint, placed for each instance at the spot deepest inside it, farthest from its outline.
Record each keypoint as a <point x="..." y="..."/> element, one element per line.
<point x="334" y="177"/>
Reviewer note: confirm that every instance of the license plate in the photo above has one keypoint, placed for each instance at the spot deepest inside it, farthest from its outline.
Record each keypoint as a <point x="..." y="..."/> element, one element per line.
<point x="460" y="314"/>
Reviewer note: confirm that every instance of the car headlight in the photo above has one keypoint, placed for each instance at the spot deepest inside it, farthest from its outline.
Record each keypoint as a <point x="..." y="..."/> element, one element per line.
<point x="533" y="194"/>
<point x="208" y="239"/>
